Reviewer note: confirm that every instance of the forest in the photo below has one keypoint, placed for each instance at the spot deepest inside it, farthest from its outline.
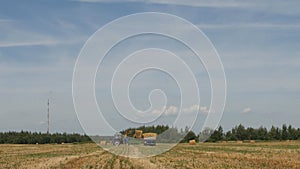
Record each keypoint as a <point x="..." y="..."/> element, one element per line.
<point x="239" y="132"/>
<point x="165" y="133"/>
<point x="25" y="137"/>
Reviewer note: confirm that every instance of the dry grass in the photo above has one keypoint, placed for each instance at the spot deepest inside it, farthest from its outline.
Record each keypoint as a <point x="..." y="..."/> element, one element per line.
<point x="204" y="155"/>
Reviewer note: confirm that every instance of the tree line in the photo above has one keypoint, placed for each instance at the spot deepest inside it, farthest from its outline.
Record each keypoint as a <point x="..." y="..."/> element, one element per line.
<point x="262" y="133"/>
<point x="165" y="133"/>
<point x="239" y="132"/>
<point x="25" y="137"/>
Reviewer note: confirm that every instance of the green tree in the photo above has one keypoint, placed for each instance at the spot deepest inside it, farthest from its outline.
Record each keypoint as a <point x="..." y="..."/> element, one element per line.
<point x="262" y="133"/>
<point x="229" y="136"/>
<point x="273" y="133"/>
<point x="241" y="132"/>
<point x="292" y="133"/>
<point x="284" y="133"/>
<point x="251" y="134"/>
<point x="217" y="135"/>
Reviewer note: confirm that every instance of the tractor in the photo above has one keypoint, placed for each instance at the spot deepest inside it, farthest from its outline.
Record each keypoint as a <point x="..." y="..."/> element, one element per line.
<point x="118" y="139"/>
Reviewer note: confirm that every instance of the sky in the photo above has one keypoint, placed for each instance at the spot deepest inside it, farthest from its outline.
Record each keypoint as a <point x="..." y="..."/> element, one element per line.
<point x="258" y="43"/>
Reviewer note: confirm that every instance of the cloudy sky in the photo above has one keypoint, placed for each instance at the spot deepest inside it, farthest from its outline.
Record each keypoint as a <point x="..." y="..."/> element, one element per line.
<point x="258" y="43"/>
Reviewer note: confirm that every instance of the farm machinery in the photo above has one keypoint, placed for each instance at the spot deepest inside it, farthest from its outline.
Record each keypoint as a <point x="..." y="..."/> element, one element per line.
<point x="118" y="139"/>
<point x="148" y="139"/>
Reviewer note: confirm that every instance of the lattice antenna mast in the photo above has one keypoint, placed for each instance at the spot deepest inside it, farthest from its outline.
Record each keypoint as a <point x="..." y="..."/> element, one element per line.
<point x="48" y="116"/>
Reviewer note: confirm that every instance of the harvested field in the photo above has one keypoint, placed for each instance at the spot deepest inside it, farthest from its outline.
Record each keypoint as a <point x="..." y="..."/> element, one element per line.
<point x="203" y="155"/>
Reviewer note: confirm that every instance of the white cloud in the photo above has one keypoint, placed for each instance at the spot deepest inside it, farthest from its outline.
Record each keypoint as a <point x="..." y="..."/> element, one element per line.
<point x="173" y="110"/>
<point x="247" y="110"/>
<point x="28" y="43"/>
<point x="195" y="108"/>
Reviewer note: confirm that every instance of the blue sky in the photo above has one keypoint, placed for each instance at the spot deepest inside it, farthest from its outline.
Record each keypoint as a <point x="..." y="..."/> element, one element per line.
<point x="258" y="43"/>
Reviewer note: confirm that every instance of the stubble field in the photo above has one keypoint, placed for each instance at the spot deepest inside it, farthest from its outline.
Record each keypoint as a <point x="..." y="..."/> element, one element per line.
<point x="204" y="155"/>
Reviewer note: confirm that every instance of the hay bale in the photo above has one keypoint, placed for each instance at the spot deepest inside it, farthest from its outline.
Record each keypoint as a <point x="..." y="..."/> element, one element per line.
<point x="102" y="142"/>
<point x="252" y="141"/>
<point x="239" y="142"/>
<point x="62" y="143"/>
<point x="192" y="142"/>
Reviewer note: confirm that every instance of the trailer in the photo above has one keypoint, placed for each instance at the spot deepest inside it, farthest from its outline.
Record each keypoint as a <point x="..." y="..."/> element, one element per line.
<point x="149" y="139"/>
